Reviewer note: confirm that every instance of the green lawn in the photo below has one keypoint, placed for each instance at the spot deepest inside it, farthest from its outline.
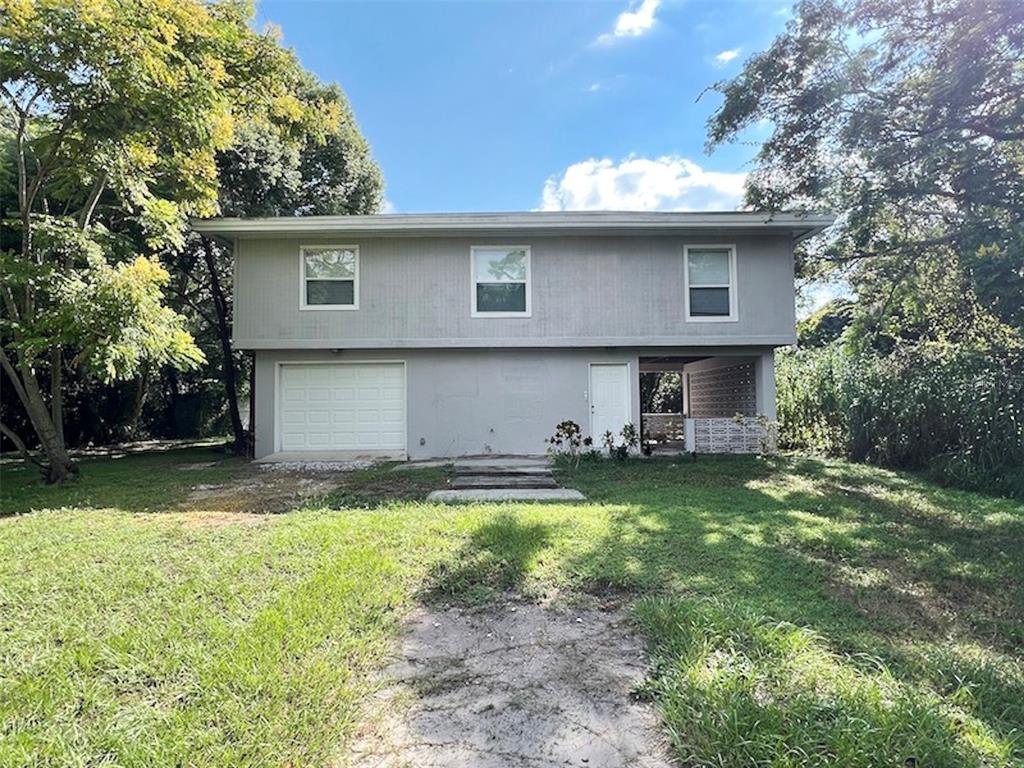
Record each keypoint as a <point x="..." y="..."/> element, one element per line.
<point x="799" y="612"/>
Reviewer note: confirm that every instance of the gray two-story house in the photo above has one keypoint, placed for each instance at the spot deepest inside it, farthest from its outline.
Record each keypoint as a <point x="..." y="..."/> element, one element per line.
<point x="461" y="334"/>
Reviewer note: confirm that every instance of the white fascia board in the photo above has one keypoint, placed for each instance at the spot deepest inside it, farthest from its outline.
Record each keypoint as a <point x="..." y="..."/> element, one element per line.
<point x="583" y="222"/>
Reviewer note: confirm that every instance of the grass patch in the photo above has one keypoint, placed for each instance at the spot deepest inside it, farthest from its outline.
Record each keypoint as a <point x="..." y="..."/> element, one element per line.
<point x="738" y="690"/>
<point x="139" y="482"/>
<point x="820" y="604"/>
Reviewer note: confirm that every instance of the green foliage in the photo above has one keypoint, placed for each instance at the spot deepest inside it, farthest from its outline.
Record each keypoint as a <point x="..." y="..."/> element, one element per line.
<point x="957" y="413"/>
<point x="120" y="322"/>
<point x="143" y="93"/>
<point x="326" y="172"/>
<point x="568" y="442"/>
<point x="906" y="118"/>
<point x="826" y="325"/>
<point x="118" y="117"/>
<point x="661" y="392"/>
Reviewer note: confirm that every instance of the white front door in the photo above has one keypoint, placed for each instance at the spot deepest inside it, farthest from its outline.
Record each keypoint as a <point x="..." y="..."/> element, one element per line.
<point x="609" y="399"/>
<point x="342" y="407"/>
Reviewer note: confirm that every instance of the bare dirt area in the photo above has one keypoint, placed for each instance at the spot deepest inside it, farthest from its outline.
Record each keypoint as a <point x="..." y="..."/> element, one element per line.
<point x="263" y="490"/>
<point x="515" y="685"/>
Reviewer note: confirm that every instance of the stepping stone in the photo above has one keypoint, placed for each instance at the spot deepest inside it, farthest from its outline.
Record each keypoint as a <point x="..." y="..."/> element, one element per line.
<point x="506" y="494"/>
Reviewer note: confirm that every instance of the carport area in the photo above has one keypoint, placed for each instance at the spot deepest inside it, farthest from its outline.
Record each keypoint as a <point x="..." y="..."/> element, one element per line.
<point x="707" y="403"/>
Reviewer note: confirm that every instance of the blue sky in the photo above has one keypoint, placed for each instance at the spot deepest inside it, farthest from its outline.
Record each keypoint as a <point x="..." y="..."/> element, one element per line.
<point x="493" y="106"/>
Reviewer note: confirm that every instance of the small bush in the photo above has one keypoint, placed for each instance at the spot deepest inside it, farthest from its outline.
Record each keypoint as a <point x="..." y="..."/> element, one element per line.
<point x="568" y="441"/>
<point x="958" y="414"/>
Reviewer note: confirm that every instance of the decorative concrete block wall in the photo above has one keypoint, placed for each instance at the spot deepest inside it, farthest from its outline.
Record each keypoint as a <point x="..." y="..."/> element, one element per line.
<point x="723" y="392"/>
<point x="718" y="435"/>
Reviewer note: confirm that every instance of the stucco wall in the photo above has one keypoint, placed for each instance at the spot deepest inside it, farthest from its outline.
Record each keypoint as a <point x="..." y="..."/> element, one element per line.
<point x="466" y="402"/>
<point x="586" y="291"/>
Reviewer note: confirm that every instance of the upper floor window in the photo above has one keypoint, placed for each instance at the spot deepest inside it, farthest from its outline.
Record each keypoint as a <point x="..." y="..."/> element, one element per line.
<point x="330" y="277"/>
<point x="710" y="274"/>
<point x="501" y="280"/>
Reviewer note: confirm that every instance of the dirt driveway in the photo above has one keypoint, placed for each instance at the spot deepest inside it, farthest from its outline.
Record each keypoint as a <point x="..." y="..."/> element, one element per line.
<point x="518" y="684"/>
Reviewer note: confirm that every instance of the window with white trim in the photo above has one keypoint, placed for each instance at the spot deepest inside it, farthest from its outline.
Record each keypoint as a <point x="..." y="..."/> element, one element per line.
<point x="710" y="282"/>
<point x="501" y="280"/>
<point x="329" y="277"/>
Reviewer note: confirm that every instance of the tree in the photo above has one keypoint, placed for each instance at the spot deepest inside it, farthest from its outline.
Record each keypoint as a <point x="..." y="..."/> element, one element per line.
<point x="826" y="324"/>
<point x="267" y="173"/>
<point x="907" y="118"/>
<point x="115" y="113"/>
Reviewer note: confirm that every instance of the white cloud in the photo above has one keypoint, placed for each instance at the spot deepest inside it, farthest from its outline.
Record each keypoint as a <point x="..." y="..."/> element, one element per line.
<point x="594" y="87"/>
<point x="726" y="56"/>
<point x="668" y="183"/>
<point x="632" y="23"/>
<point x="387" y="206"/>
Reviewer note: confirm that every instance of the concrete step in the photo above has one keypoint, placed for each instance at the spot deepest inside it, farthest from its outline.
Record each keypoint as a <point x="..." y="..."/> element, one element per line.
<point x="485" y="481"/>
<point x="500" y="462"/>
<point x="506" y="494"/>
<point x="503" y="471"/>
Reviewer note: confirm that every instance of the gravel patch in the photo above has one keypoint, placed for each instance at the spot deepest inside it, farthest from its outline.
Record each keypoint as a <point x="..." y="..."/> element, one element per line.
<point x="316" y="466"/>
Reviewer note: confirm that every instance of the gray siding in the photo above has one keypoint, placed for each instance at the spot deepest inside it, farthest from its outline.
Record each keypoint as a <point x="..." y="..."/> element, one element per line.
<point x="467" y="402"/>
<point x="586" y="291"/>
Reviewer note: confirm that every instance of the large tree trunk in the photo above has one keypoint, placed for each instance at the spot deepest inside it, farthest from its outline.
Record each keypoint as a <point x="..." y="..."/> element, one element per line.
<point x="228" y="369"/>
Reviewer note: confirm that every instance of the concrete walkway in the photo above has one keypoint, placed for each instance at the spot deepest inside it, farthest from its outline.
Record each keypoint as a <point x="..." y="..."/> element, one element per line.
<point x="504" y="479"/>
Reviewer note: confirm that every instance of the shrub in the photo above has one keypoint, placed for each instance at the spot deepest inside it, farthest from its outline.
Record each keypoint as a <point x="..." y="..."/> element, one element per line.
<point x="567" y="441"/>
<point x="956" y="413"/>
<point x="620" y="445"/>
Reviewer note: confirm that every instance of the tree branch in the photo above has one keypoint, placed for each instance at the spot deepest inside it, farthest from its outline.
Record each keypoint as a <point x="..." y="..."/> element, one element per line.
<point x="19" y="444"/>
<point x="90" y="204"/>
<point x="19" y="388"/>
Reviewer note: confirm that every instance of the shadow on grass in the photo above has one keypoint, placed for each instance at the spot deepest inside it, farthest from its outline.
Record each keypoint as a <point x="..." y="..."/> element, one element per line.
<point x="494" y="558"/>
<point x="878" y="565"/>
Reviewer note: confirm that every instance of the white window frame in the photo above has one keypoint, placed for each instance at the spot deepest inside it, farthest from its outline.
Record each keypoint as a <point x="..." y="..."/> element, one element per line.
<point x="302" y="278"/>
<point x="733" y="315"/>
<point x="473" y="281"/>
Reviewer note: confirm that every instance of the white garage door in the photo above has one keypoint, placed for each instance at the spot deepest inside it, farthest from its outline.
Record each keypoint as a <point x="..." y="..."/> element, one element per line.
<point x="342" y="407"/>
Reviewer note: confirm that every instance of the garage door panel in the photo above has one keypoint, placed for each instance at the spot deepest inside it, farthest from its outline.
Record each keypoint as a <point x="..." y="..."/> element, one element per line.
<point x="342" y="406"/>
<point x="293" y="396"/>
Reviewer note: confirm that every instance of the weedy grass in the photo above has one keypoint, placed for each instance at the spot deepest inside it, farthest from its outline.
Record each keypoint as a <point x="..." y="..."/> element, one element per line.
<point x="738" y="689"/>
<point x="800" y="612"/>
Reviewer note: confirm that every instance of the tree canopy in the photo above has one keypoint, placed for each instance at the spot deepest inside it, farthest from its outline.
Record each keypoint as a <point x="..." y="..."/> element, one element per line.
<point x="905" y="117"/>
<point x="116" y="114"/>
